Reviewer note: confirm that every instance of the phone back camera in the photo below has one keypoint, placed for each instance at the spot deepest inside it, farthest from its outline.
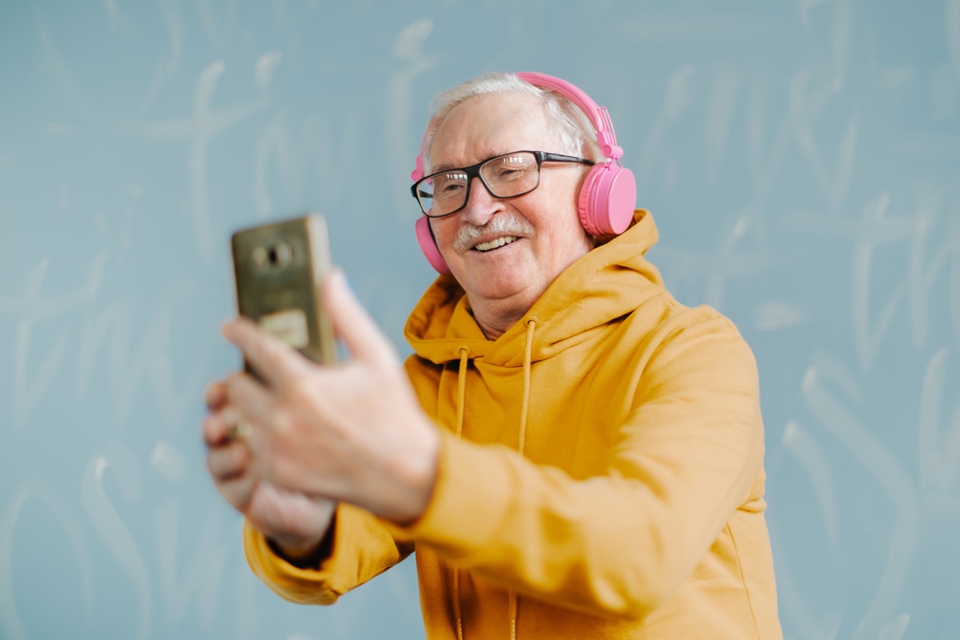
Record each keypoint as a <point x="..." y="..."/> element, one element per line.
<point x="278" y="255"/>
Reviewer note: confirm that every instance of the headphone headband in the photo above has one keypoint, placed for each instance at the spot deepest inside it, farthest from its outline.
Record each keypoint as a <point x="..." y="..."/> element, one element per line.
<point x="606" y="137"/>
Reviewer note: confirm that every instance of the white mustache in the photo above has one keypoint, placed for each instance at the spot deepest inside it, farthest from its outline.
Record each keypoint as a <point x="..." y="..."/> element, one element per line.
<point x="503" y="224"/>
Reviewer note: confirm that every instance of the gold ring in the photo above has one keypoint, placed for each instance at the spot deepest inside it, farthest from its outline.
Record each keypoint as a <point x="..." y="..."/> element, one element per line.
<point x="239" y="430"/>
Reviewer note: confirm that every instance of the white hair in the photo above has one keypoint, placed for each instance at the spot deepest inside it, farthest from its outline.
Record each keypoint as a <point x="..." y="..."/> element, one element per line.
<point x="573" y="130"/>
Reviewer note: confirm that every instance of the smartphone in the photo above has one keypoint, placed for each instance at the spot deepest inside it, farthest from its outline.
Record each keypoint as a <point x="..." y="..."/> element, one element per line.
<point x="277" y="268"/>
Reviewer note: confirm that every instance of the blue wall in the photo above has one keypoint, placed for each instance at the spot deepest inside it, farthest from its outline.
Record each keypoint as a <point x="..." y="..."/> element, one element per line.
<point x="801" y="159"/>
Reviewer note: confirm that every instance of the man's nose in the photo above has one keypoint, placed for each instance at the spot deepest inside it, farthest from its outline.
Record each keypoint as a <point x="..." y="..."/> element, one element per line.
<point x="481" y="204"/>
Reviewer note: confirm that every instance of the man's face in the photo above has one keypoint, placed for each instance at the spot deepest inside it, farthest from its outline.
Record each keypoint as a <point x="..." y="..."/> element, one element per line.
<point x="508" y="279"/>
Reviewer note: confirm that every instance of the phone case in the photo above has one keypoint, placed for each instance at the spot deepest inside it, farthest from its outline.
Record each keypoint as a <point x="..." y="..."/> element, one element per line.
<point x="277" y="267"/>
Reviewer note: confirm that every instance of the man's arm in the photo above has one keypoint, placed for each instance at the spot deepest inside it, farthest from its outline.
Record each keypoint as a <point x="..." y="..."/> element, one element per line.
<point x="686" y="457"/>
<point x="313" y="440"/>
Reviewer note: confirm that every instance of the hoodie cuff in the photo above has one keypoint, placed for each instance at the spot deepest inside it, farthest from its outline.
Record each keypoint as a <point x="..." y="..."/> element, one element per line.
<point x="304" y="586"/>
<point x="360" y="549"/>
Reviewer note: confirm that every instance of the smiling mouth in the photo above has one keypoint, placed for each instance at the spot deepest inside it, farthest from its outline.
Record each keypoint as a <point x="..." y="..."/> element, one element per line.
<point x="496" y="243"/>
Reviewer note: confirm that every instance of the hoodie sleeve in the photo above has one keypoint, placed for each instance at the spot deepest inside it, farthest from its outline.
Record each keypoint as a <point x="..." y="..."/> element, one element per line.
<point x="686" y="454"/>
<point x="362" y="549"/>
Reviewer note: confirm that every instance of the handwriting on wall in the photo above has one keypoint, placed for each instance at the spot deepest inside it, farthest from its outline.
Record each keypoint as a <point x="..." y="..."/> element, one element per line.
<point x="801" y="162"/>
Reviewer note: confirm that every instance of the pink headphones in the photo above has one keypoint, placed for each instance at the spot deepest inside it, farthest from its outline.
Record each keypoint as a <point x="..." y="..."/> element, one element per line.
<point x="608" y="195"/>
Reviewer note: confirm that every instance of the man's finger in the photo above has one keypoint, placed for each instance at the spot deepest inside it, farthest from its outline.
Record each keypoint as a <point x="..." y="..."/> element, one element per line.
<point x="254" y="404"/>
<point x="215" y="395"/>
<point x="274" y="360"/>
<point x="239" y="491"/>
<point x="217" y="426"/>
<point x="228" y="462"/>
<point x="353" y="324"/>
<point x="214" y="429"/>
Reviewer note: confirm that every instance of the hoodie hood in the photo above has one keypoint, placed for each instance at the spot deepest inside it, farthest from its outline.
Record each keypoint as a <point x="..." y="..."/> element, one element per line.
<point x="610" y="281"/>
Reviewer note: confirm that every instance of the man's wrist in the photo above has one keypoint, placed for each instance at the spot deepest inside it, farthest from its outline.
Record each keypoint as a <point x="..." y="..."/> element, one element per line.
<point x="420" y="479"/>
<point x="306" y="555"/>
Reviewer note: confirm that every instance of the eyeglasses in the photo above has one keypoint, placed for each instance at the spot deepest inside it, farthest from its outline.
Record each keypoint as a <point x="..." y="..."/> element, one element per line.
<point x="506" y="176"/>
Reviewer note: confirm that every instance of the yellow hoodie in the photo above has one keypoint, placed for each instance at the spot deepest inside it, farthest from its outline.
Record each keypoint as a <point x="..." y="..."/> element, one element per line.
<point x="601" y="469"/>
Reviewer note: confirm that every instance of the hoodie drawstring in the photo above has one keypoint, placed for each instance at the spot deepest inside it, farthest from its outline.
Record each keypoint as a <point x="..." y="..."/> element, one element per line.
<point x="527" y="360"/>
<point x="524" y="408"/>
<point x="461" y="388"/>
<point x="461" y="393"/>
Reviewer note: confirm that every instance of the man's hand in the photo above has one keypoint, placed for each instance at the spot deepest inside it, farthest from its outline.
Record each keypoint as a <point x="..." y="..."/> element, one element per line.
<point x="295" y="521"/>
<point x="353" y="432"/>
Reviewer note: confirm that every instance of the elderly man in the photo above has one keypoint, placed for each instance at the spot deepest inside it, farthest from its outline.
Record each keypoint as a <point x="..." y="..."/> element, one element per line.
<point x="570" y="452"/>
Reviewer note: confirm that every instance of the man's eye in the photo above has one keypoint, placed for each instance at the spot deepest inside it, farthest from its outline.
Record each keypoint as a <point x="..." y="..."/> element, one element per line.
<point x="449" y="186"/>
<point x="511" y="167"/>
<point x="509" y="173"/>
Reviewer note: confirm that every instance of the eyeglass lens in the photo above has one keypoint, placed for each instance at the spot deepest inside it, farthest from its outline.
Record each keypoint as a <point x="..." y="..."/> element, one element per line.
<point x="505" y="176"/>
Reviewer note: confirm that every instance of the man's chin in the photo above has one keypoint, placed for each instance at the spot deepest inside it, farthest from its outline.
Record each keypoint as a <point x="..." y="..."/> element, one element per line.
<point x="498" y="287"/>
<point x="495" y="277"/>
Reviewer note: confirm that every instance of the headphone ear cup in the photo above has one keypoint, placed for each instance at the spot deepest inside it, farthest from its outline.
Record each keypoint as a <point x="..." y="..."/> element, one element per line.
<point x="607" y="199"/>
<point x="428" y="245"/>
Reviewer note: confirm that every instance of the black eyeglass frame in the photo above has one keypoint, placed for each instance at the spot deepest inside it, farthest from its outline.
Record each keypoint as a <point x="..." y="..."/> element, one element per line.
<point x="473" y="171"/>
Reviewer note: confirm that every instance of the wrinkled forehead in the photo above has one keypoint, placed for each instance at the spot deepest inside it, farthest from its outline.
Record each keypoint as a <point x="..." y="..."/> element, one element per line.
<point x="489" y="125"/>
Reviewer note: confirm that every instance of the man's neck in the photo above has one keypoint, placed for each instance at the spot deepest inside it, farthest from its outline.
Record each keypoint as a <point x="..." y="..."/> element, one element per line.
<point x="493" y="332"/>
<point x="495" y="318"/>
